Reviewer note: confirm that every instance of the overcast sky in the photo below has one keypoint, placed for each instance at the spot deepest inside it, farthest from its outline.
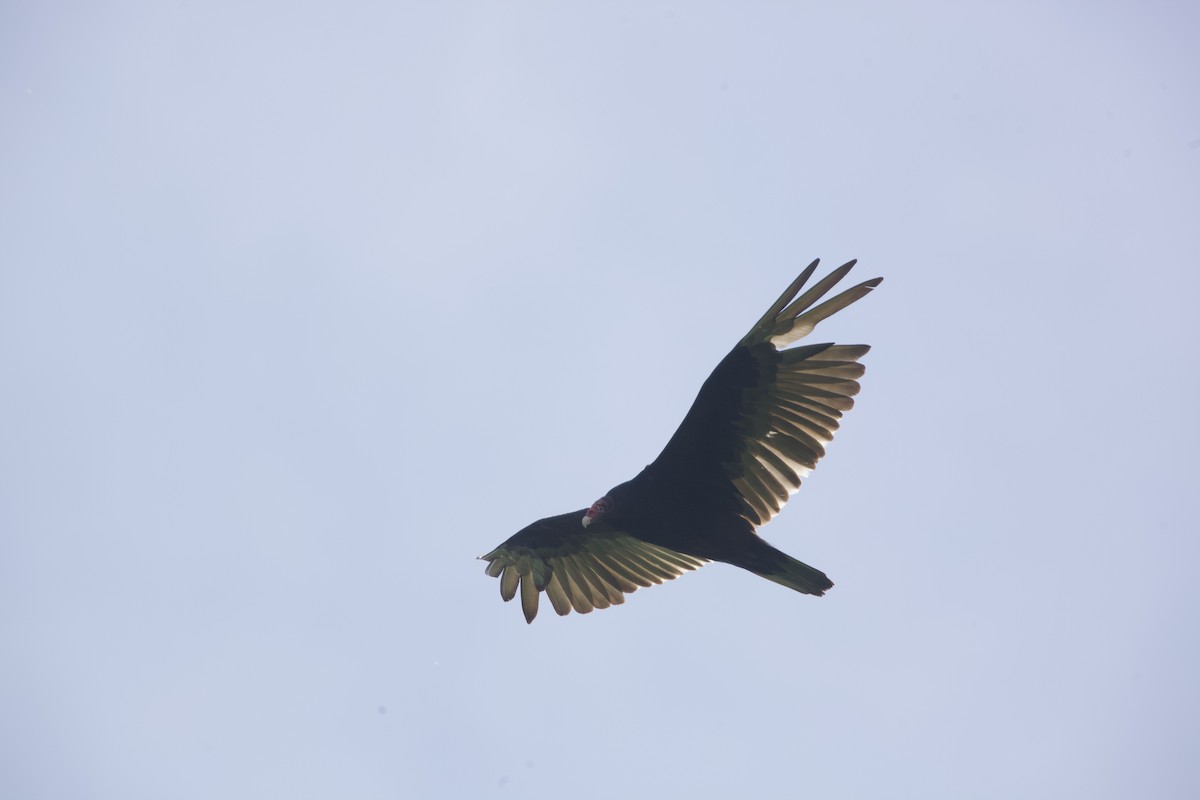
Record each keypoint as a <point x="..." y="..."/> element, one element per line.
<point x="304" y="306"/>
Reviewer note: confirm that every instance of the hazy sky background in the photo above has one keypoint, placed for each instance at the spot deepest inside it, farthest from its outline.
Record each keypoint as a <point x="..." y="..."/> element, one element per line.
<point x="304" y="306"/>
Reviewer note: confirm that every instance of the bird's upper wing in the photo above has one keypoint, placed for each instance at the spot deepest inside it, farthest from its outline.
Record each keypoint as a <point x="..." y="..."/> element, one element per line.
<point x="580" y="568"/>
<point x="763" y="417"/>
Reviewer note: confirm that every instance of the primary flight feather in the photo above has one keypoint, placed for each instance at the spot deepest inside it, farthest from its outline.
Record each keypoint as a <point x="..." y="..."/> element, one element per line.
<point x="758" y="427"/>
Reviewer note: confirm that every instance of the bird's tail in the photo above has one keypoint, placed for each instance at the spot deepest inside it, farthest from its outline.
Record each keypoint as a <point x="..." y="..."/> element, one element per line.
<point x="777" y="566"/>
<point x="799" y="576"/>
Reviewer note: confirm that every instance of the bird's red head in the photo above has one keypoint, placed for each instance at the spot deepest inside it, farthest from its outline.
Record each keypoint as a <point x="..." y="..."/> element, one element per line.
<point x="598" y="510"/>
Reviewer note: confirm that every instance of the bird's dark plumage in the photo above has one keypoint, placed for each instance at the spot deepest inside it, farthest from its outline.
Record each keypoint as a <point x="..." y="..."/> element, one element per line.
<point x="759" y="425"/>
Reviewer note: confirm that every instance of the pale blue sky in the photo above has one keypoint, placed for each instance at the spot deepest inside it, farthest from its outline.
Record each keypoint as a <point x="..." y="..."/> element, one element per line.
<point x="305" y="306"/>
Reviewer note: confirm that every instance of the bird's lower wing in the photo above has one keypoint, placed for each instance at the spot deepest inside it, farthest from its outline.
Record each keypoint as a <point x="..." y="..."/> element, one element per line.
<point x="579" y="568"/>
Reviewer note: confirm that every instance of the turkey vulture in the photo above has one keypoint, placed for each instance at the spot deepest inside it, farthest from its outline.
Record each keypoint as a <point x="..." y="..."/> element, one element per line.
<point x="758" y="426"/>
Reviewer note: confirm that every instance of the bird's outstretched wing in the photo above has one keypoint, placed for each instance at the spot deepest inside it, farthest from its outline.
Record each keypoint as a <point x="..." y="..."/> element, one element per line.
<point x="758" y="426"/>
<point x="763" y="417"/>
<point x="580" y="568"/>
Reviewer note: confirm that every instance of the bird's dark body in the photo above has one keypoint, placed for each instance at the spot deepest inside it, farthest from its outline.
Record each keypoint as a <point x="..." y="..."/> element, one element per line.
<point x="683" y="500"/>
<point x="759" y="423"/>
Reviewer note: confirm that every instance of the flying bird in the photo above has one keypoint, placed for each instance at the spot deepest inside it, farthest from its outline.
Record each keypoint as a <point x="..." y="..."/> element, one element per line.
<point x="758" y="426"/>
